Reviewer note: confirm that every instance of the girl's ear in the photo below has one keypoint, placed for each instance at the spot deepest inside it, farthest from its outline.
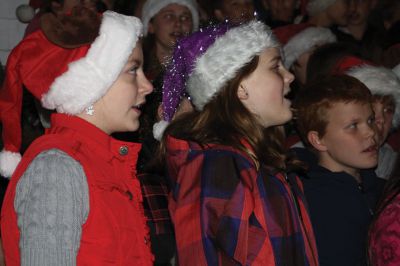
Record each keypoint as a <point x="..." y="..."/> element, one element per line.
<point x="316" y="141"/>
<point x="242" y="93"/>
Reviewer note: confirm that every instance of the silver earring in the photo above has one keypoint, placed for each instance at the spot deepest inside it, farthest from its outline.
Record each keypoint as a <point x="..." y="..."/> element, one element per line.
<point x="89" y="110"/>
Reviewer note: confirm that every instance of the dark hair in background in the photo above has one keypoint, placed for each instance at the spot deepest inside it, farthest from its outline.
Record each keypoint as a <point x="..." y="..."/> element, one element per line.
<point x="324" y="59"/>
<point x="47" y="5"/>
<point x="393" y="34"/>
<point x="384" y="11"/>
<point x="216" y="4"/>
<point x="149" y="114"/>
<point x="125" y="7"/>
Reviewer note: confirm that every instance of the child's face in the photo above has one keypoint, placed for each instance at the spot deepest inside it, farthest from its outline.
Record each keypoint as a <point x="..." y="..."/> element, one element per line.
<point x="281" y="10"/>
<point x="338" y="13"/>
<point x="171" y="23"/>
<point x="119" y="109"/>
<point x="383" y="119"/>
<point x="359" y="11"/>
<point x="263" y="91"/>
<point x="349" y="142"/>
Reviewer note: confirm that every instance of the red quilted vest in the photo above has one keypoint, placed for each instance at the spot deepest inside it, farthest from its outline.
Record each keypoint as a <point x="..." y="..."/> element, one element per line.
<point x="115" y="232"/>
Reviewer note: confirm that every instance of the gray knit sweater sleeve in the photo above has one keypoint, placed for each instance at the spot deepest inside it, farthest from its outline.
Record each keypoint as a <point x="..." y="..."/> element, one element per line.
<point x="52" y="203"/>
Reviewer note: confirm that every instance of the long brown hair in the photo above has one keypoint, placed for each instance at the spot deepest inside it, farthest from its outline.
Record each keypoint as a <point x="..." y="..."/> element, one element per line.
<point x="225" y="120"/>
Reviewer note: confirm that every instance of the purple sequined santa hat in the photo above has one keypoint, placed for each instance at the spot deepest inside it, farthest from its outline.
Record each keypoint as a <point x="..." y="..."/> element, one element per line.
<point x="186" y="52"/>
<point x="205" y="61"/>
<point x="183" y="62"/>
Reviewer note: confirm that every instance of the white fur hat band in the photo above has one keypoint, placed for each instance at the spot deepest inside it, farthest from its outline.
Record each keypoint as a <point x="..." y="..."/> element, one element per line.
<point x="380" y="81"/>
<point x="89" y="78"/>
<point x="316" y="6"/>
<point x="225" y="57"/>
<point x="305" y="41"/>
<point x="152" y="7"/>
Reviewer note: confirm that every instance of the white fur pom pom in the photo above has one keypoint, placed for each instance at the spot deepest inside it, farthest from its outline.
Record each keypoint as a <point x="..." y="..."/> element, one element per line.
<point x="8" y="162"/>
<point x="159" y="128"/>
<point x="25" y="13"/>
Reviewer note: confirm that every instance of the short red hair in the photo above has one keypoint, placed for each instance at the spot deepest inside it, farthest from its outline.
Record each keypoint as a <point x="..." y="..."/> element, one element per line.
<point x="315" y="101"/>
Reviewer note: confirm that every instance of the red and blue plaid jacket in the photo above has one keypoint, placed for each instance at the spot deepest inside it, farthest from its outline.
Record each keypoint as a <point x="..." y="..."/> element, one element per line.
<point x="225" y="212"/>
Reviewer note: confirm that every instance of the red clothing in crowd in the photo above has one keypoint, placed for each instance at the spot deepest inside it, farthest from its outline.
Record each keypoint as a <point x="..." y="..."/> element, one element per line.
<point x="228" y="212"/>
<point x="384" y="247"/>
<point x="115" y="231"/>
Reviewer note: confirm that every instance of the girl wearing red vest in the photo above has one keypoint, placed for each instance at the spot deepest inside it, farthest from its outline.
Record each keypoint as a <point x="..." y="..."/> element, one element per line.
<point x="74" y="198"/>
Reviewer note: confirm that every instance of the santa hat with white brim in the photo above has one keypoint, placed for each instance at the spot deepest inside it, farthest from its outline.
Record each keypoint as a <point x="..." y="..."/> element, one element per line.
<point x="228" y="54"/>
<point x="380" y="81"/>
<point x="396" y="70"/>
<point x="152" y="7"/>
<point x="305" y="41"/>
<point x="68" y="80"/>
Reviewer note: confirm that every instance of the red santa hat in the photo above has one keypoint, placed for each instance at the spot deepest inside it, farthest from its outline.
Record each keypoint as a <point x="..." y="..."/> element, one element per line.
<point x="301" y="38"/>
<point x="64" y="76"/>
<point x="285" y="33"/>
<point x="304" y="41"/>
<point x="348" y="62"/>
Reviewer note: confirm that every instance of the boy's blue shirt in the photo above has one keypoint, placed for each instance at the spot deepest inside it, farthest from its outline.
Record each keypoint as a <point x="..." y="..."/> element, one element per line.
<point x="340" y="211"/>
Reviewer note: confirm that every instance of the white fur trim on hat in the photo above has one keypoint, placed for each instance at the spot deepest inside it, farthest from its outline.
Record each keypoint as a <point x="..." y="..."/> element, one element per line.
<point x="396" y="70"/>
<point x="159" y="128"/>
<point x="90" y="77"/>
<point x="152" y="7"/>
<point x="316" y="6"/>
<point x="380" y="81"/>
<point x="225" y="57"/>
<point x="304" y="41"/>
<point x="8" y="162"/>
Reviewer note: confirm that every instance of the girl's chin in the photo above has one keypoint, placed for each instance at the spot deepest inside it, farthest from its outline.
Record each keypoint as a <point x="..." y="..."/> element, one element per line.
<point x="283" y="119"/>
<point x="288" y="116"/>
